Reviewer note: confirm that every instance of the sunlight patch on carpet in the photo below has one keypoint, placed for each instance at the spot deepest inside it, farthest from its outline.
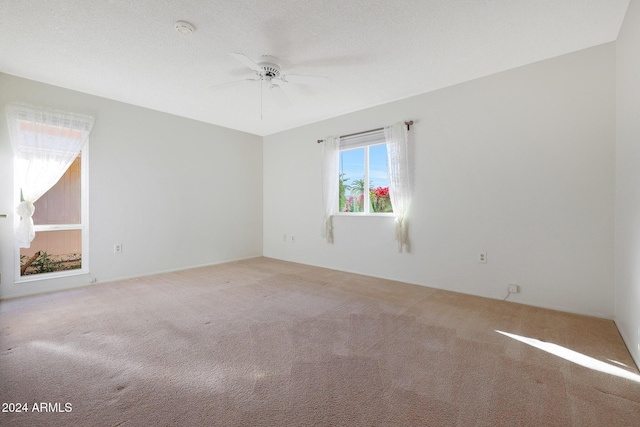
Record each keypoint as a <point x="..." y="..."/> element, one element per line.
<point x="575" y="357"/>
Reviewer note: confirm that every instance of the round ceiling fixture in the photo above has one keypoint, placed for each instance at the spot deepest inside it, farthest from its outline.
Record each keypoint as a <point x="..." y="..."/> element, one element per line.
<point x="184" y="28"/>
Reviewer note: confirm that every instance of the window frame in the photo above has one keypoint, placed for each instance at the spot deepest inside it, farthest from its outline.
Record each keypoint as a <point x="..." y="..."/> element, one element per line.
<point x="83" y="226"/>
<point x="364" y="140"/>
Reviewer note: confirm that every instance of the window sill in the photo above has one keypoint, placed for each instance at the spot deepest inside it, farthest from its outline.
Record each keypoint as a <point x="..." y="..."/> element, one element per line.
<point x="47" y="276"/>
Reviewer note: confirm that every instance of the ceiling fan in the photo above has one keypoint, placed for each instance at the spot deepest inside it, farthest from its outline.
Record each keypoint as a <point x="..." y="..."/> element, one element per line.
<point x="269" y="73"/>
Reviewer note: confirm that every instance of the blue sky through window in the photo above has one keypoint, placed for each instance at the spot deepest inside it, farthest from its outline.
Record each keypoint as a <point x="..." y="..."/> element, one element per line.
<point x="378" y="172"/>
<point x="352" y="165"/>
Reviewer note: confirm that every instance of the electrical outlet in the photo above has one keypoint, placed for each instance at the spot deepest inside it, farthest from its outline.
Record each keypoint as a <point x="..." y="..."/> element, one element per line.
<point x="293" y="239"/>
<point x="514" y="289"/>
<point x="482" y="257"/>
<point x="117" y="248"/>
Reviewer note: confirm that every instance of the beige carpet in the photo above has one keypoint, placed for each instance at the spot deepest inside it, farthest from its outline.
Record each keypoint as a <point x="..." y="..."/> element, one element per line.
<point x="268" y="343"/>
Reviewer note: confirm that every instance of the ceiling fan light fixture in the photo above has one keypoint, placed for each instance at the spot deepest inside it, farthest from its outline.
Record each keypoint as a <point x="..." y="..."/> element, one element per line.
<point x="268" y="72"/>
<point x="184" y="28"/>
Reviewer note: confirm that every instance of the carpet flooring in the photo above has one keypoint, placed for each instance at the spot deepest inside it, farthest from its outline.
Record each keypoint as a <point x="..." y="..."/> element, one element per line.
<point x="263" y="342"/>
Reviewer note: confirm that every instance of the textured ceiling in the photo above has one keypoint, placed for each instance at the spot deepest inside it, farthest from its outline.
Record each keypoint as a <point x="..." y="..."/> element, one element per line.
<point x="374" y="51"/>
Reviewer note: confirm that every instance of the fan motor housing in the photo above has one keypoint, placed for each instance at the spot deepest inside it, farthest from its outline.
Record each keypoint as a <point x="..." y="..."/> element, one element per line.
<point x="270" y="66"/>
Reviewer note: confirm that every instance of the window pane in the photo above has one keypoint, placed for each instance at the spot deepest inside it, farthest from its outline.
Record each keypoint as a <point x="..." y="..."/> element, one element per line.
<point x="352" y="180"/>
<point x="52" y="251"/>
<point x="61" y="204"/>
<point x="379" y="179"/>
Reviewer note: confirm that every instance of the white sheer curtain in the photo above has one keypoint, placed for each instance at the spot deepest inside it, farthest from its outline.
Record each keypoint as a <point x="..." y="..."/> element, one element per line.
<point x="330" y="189"/>
<point x="399" y="185"/>
<point x="45" y="143"/>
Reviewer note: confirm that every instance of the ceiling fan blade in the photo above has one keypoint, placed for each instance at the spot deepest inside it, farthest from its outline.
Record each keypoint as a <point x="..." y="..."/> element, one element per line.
<point x="281" y="98"/>
<point x="229" y="85"/>
<point x="246" y="61"/>
<point x="306" y="80"/>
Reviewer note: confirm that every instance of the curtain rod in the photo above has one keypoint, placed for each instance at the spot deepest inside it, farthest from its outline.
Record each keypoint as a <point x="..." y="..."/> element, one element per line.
<point x="409" y="123"/>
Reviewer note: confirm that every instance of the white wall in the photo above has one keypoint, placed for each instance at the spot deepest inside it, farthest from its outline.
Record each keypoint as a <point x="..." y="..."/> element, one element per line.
<point x="519" y="164"/>
<point x="627" y="295"/>
<point x="175" y="192"/>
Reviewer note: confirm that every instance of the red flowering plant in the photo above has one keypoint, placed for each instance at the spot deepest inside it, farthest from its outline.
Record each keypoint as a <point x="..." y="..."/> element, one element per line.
<point x="354" y="201"/>
<point x="380" y="200"/>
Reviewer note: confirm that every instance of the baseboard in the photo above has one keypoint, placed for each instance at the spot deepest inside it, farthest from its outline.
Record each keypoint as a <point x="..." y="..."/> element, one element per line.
<point x="459" y="291"/>
<point x="173" y="270"/>
<point x="90" y="281"/>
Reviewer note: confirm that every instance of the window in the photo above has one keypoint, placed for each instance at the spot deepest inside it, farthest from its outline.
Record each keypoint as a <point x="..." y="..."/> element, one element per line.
<point x="51" y="190"/>
<point x="357" y="178"/>
<point x="60" y="217"/>
<point x="363" y="175"/>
